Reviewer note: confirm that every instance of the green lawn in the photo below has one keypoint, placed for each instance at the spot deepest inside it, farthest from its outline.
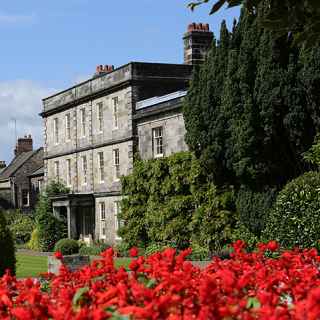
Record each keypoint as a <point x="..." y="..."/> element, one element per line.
<point x="31" y="266"/>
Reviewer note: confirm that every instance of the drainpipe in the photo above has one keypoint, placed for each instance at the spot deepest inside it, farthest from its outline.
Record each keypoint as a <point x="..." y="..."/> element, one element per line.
<point x="14" y="196"/>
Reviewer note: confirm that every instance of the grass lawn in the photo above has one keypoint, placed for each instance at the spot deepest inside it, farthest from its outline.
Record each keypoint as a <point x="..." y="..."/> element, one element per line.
<point x="31" y="266"/>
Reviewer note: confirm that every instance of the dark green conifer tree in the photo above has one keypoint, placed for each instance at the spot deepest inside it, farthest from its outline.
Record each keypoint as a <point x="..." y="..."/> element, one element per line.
<point x="258" y="113"/>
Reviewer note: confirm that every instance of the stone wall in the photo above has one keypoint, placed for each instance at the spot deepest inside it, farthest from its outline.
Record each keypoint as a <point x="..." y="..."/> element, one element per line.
<point x="168" y="116"/>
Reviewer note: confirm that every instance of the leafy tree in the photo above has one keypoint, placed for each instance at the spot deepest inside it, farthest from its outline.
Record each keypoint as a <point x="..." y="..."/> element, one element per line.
<point x="45" y="222"/>
<point x="281" y="17"/>
<point x="251" y="134"/>
<point x="169" y="199"/>
<point x="8" y="258"/>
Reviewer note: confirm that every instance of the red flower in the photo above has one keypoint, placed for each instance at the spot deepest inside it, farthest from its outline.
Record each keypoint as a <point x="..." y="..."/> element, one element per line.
<point x="272" y="246"/>
<point x="134" y="252"/>
<point x="58" y="255"/>
<point x="134" y="265"/>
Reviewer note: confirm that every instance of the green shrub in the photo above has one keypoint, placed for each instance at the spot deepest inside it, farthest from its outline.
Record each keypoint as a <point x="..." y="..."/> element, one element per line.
<point x="21" y="223"/>
<point x="33" y="244"/>
<point x="67" y="246"/>
<point x="8" y="257"/>
<point x="294" y="221"/>
<point x="123" y="247"/>
<point x="45" y="221"/>
<point x="199" y="253"/>
<point x="154" y="247"/>
<point x="92" y="251"/>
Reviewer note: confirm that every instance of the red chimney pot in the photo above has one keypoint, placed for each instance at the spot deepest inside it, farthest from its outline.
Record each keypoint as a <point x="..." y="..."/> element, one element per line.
<point x="189" y="27"/>
<point x="193" y="25"/>
<point x="29" y="136"/>
<point x="106" y="67"/>
<point x="111" y="67"/>
<point x="199" y="26"/>
<point x="99" y="68"/>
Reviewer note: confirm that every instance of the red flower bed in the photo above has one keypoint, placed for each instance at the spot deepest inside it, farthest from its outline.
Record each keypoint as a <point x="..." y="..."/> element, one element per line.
<point x="247" y="287"/>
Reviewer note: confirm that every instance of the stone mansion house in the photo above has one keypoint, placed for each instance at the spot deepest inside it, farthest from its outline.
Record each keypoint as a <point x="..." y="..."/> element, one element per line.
<point x="92" y="130"/>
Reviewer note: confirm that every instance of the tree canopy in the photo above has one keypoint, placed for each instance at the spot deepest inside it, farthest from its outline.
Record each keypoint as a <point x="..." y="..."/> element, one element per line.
<point x="281" y="17"/>
<point x="250" y="113"/>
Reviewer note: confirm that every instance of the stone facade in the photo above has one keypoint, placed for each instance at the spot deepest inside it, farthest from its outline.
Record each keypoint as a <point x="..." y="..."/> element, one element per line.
<point x="15" y="190"/>
<point x="92" y="130"/>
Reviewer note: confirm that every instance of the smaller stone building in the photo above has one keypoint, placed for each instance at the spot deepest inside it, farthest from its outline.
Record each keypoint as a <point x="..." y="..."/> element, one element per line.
<point x="15" y="191"/>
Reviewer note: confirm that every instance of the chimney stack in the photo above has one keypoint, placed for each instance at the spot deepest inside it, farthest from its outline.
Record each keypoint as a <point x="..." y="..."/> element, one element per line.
<point x="197" y="43"/>
<point x="24" y="145"/>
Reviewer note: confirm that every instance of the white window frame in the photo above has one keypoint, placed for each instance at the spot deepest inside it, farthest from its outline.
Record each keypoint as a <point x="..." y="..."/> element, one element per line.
<point x="56" y="130"/>
<point x="158" y="142"/>
<point x="100" y="167"/>
<point x="23" y="193"/>
<point x="68" y="127"/>
<point x="115" y="113"/>
<point x="116" y="165"/>
<point x="84" y="170"/>
<point x="83" y="122"/>
<point x="99" y="118"/>
<point x="68" y="172"/>
<point x="102" y="209"/>
<point x="118" y="223"/>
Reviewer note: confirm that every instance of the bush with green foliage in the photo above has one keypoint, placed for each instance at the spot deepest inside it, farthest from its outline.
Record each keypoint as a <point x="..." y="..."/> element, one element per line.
<point x="21" y="223"/>
<point x="294" y="221"/>
<point x="8" y="258"/>
<point x="199" y="253"/>
<point x="33" y="243"/>
<point x="168" y="199"/>
<point x="45" y="221"/>
<point x="67" y="246"/>
<point x="92" y="250"/>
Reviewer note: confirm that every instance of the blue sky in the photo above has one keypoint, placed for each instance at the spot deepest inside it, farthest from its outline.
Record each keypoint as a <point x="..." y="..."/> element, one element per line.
<point x="47" y="46"/>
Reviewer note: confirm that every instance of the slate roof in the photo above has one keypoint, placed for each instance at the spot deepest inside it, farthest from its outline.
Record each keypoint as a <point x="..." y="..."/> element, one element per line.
<point x="16" y="163"/>
<point x="38" y="172"/>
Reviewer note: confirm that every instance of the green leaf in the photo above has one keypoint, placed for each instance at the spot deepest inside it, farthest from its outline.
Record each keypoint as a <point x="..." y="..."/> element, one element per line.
<point x="151" y="283"/>
<point x="311" y="41"/>
<point x="110" y="309"/>
<point x="217" y="6"/>
<point x="98" y="279"/>
<point x="285" y="17"/>
<point x="118" y="316"/>
<point x="301" y="37"/>
<point x="143" y="278"/>
<point x="314" y="4"/>
<point x="234" y="3"/>
<point x="278" y="35"/>
<point x="253" y="303"/>
<point x="300" y="16"/>
<point x="272" y="16"/>
<point x="315" y="28"/>
<point x="78" y="294"/>
<point x="271" y="25"/>
<point x="192" y="6"/>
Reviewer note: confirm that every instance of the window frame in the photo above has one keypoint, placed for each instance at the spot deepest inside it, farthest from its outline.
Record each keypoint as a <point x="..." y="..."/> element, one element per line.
<point x="56" y="131"/>
<point x="103" y="229"/>
<point x="84" y="169"/>
<point x="118" y="223"/>
<point x="100" y="167"/>
<point x="69" y="172"/>
<point x="157" y="139"/>
<point x="68" y="127"/>
<point x="83" y="122"/>
<point x="115" y="113"/>
<point x="116" y="165"/>
<point x="99" y="118"/>
<point x="25" y="192"/>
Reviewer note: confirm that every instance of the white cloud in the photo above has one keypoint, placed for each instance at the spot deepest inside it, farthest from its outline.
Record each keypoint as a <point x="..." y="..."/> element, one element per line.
<point x="21" y="99"/>
<point x="16" y="19"/>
